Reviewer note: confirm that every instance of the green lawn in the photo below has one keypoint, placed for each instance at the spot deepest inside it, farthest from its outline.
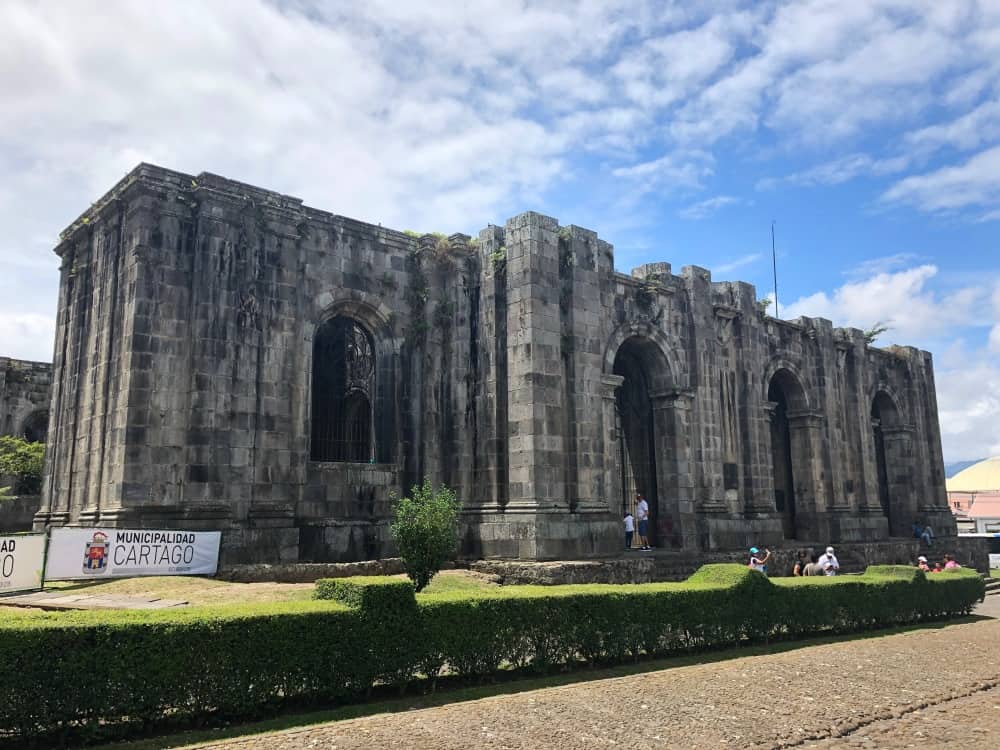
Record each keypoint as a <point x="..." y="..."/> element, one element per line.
<point x="211" y="591"/>
<point x="995" y="572"/>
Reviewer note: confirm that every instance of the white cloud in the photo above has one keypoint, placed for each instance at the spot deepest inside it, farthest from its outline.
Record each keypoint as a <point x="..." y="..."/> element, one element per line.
<point x="671" y="172"/>
<point x="967" y="378"/>
<point x="903" y="300"/>
<point x="974" y="184"/>
<point x="704" y="209"/>
<point x="732" y="265"/>
<point x="27" y="335"/>
<point x="994" y="340"/>
<point x="885" y="264"/>
<point x="839" y="170"/>
<point x="448" y="115"/>
<point x="969" y="407"/>
<point x="976" y="128"/>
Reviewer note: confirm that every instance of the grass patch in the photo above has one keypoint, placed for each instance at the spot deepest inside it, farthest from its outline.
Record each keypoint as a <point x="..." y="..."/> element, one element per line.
<point x="209" y="591"/>
<point x="508" y="683"/>
<point x="994" y="572"/>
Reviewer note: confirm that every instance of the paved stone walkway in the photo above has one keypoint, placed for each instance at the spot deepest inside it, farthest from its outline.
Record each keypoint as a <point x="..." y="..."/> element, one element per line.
<point x="55" y="600"/>
<point x="927" y="688"/>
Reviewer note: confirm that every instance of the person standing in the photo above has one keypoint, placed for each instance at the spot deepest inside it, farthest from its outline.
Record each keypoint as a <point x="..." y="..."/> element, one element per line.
<point x="829" y="563"/>
<point x="759" y="563"/>
<point x="642" y="516"/>
<point x="629" y="529"/>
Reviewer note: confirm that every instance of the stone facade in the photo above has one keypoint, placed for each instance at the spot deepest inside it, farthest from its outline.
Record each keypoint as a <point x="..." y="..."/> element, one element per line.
<point x="227" y="357"/>
<point x="25" y="388"/>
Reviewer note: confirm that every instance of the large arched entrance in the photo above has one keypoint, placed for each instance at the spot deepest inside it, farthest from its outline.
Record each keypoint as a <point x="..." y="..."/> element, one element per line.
<point x="641" y="429"/>
<point x="785" y="395"/>
<point x="885" y="420"/>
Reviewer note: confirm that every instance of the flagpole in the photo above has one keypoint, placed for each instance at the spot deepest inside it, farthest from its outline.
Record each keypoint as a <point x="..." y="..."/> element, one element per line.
<point x="774" y="266"/>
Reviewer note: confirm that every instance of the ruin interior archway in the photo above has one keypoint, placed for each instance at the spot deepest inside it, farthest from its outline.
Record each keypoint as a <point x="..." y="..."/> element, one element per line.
<point x="343" y="384"/>
<point x="643" y="432"/>
<point x="886" y="420"/>
<point x="35" y="427"/>
<point x="786" y="396"/>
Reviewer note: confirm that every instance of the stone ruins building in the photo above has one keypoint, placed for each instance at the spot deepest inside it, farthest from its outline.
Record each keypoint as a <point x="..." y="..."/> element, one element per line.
<point x="228" y="358"/>
<point x="25" y="388"/>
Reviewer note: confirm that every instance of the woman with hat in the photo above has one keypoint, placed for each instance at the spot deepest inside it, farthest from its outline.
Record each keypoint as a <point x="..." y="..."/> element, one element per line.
<point x="759" y="563"/>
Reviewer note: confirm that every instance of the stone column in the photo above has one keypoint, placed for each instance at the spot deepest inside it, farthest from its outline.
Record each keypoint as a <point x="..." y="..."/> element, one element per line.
<point x="898" y="443"/>
<point x="763" y="497"/>
<point x="676" y="516"/>
<point x="535" y="371"/>
<point x="612" y="474"/>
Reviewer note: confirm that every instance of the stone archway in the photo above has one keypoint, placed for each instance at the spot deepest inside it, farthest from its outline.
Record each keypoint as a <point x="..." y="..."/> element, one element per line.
<point x="889" y="437"/>
<point x="645" y="430"/>
<point x="789" y="449"/>
<point x="35" y="427"/>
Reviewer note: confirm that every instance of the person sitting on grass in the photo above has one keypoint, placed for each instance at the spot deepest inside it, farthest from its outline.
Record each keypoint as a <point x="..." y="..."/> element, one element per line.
<point x="922" y="564"/>
<point x="950" y="563"/>
<point x="813" y="568"/>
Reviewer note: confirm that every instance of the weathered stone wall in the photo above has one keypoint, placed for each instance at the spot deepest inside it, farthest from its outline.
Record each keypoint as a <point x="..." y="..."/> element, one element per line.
<point x="25" y="389"/>
<point x="18" y="513"/>
<point x="188" y="311"/>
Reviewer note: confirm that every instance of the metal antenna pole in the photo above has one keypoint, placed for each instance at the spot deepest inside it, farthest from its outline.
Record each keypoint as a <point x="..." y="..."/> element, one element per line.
<point x="774" y="266"/>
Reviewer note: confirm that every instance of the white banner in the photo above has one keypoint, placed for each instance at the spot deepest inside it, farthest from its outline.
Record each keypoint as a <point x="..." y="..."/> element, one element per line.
<point x="21" y="559"/>
<point x="119" y="553"/>
<point x="995" y="561"/>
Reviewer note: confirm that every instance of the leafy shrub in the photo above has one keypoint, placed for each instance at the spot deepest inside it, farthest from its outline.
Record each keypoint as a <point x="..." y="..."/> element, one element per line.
<point x="24" y="462"/>
<point x="123" y="672"/>
<point x="426" y="531"/>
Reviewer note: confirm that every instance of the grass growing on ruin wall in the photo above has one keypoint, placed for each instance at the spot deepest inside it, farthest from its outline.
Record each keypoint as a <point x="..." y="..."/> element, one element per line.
<point x="97" y="675"/>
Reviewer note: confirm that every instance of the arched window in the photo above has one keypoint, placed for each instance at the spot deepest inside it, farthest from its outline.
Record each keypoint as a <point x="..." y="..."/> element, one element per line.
<point x="343" y="386"/>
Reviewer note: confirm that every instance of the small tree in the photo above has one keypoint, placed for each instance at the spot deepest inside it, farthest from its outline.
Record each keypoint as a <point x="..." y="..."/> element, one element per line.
<point x="872" y="334"/>
<point x="426" y="531"/>
<point x="23" y="461"/>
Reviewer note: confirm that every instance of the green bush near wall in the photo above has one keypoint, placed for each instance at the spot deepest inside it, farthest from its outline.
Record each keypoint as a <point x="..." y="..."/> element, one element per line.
<point x="98" y="675"/>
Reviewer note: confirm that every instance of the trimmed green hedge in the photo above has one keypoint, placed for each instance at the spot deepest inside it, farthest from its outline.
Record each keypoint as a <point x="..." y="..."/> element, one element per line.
<point x="98" y="675"/>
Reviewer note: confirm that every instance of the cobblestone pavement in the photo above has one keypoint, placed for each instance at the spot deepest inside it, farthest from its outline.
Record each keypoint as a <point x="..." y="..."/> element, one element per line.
<point x="926" y="688"/>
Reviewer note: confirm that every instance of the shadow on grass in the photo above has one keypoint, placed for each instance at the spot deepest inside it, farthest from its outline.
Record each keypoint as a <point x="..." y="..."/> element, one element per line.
<point x="456" y="690"/>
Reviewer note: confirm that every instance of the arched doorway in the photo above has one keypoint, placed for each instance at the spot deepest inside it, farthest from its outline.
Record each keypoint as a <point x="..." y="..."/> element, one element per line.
<point x="785" y="395"/>
<point x="35" y="428"/>
<point x="640" y="433"/>
<point x="885" y="417"/>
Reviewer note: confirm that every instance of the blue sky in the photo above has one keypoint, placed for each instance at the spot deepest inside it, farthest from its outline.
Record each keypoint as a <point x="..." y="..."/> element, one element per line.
<point x="868" y="131"/>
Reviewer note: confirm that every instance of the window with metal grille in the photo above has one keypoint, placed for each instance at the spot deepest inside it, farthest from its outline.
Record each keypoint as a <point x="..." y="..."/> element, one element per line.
<point x="343" y="387"/>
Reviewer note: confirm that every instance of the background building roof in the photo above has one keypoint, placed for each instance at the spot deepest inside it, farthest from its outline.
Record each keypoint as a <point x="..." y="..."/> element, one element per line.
<point x="980" y="477"/>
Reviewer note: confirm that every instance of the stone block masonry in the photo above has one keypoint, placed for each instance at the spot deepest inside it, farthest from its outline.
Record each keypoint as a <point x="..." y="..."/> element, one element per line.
<point x="228" y="358"/>
<point x="25" y="389"/>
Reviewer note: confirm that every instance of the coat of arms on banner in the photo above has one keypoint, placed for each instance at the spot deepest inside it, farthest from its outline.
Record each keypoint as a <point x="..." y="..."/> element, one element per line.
<point x="95" y="559"/>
